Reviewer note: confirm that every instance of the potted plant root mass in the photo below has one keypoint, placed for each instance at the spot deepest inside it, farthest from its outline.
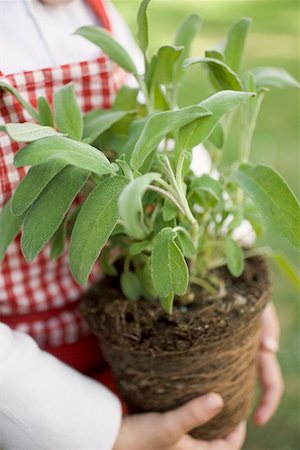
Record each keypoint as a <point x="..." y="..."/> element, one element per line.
<point x="178" y="309"/>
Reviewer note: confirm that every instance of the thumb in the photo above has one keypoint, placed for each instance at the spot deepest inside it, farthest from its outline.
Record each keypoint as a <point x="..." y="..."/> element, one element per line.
<point x="196" y="412"/>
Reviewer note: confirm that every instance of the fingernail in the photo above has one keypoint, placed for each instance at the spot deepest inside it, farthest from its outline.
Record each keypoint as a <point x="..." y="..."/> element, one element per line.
<point x="213" y="402"/>
<point x="270" y="344"/>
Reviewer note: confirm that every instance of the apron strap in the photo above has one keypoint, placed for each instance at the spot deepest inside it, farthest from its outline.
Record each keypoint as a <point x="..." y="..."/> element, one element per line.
<point x="100" y="11"/>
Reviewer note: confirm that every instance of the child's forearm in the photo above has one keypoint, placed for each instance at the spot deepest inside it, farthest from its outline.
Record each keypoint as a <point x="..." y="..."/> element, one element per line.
<point x="46" y="404"/>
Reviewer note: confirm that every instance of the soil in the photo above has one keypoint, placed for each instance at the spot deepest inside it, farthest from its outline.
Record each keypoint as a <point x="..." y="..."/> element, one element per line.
<point x="160" y="361"/>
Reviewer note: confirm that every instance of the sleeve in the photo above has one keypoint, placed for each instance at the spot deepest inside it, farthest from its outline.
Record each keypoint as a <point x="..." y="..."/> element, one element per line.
<point x="45" y="404"/>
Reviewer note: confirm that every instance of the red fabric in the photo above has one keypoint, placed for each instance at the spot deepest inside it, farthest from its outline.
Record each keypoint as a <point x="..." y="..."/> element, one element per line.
<point x="41" y="298"/>
<point x="100" y="11"/>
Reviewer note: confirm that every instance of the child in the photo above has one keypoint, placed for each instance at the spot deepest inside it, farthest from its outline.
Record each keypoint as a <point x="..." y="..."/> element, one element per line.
<point x="43" y="402"/>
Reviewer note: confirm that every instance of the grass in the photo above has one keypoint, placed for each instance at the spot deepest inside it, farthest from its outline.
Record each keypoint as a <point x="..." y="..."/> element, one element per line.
<point x="274" y="41"/>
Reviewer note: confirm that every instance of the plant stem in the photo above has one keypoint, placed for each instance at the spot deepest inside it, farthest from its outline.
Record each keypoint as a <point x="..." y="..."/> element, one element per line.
<point x="167" y="195"/>
<point x="204" y="284"/>
<point x="250" y="127"/>
<point x="144" y="89"/>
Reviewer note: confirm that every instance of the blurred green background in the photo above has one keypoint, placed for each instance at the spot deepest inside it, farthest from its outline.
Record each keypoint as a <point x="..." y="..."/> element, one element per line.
<point x="274" y="41"/>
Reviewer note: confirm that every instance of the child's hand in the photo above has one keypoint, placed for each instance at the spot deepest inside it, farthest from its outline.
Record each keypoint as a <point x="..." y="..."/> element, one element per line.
<point x="168" y="431"/>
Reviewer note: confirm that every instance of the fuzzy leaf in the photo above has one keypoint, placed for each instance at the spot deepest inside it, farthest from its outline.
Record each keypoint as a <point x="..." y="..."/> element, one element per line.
<point x="235" y="43"/>
<point x="186" y="244"/>
<point x="218" y="104"/>
<point x="138" y="247"/>
<point x="49" y="209"/>
<point x="131" y="286"/>
<point x="28" y="132"/>
<point x="33" y="183"/>
<point x="168" y="267"/>
<point x="158" y="126"/>
<point x="45" y="113"/>
<point x="67" y="112"/>
<point x="9" y="227"/>
<point x="142" y="22"/>
<point x="130" y="205"/>
<point x="27" y="106"/>
<point x="214" y="54"/>
<point x="217" y="137"/>
<point x="273" y="198"/>
<point x="100" y="120"/>
<point x="208" y="184"/>
<point x="222" y="74"/>
<point x="234" y="257"/>
<point x="72" y="152"/>
<point x="95" y="222"/>
<point x="126" y="98"/>
<point x="58" y="241"/>
<point x="167" y="58"/>
<point x="169" y="210"/>
<point x="185" y="34"/>
<point x="287" y="267"/>
<point x="186" y="31"/>
<point x="273" y="77"/>
<point x="108" y="45"/>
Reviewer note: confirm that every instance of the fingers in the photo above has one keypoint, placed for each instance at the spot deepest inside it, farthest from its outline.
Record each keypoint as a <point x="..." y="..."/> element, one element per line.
<point x="270" y="329"/>
<point x="236" y="438"/>
<point x="272" y="387"/>
<point x="196" y="412"/>
<point x="233" y="441"/>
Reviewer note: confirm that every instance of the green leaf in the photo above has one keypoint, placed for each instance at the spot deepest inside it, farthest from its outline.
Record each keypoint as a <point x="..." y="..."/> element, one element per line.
<point x="9" y="227"/>
<point x="49" y="209"/>
<point x="158" y="126"/>
<point x="67" y="112"/>
<point x="130" y="205"/>
<point x="186" y="244"/>
<point x="96" y="220"/>
<point x="207" y="184"/>
<point x="72" y="152"/>
<point x="287" y="267"/>
<point x="217" y="137"/>
<point x="218" y="104"/>
<point x="138" y="247"/>
<point x="265" y="77"/>
<point x="214" y="54"/>
<point x="126" y="98"/>
<point x="273" y="198"/>
<point x="169" y="210"/>
<point x="168" y="267"/>
<point x="142" y="22"/>
<point x="33" y="183"/>
<point x="109" y="45"/>
<point x="167" y="57"/>
<point x="222" y="74"/>
<point x="235" y="43"/>
<point x="185" y="34"/>
<point x="27" y="106"/>
<point x="45" y="113"/>
<point x="100" y="120"/>
<point x="58" y="242"/>
<point x="144" y="275"/>
<point x="28" y="132"/>
<point x="131" y="286"/>
<point x="234" y="257"/>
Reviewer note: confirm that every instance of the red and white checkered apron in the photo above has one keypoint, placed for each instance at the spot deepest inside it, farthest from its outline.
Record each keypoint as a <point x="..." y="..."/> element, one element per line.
<point x="41" y="298"/>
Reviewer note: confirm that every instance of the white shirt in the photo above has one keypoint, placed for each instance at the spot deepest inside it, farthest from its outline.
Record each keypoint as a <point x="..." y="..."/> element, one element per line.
<point x="43" y="403"/>
<point x="34" y="36"/>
